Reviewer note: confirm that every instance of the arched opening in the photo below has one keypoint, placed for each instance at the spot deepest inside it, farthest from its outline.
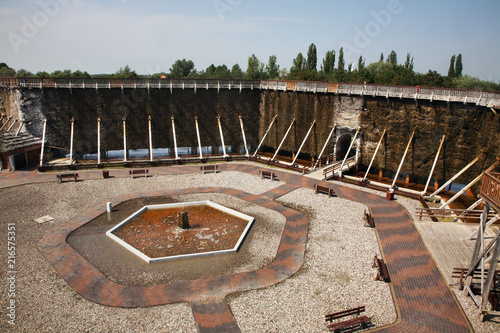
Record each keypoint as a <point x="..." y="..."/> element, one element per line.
<point x="342" y="146"/>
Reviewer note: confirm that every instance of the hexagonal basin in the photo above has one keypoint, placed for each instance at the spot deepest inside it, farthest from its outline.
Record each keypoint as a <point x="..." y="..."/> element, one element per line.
<point x="153" y="234"/>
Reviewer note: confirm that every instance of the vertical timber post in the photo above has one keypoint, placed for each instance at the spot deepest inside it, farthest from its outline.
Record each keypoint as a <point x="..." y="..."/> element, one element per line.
<point x="124" y="139"/>
<point x="243" y="133"/>
<point x="43" y="141"/>
<point x="222" y="138"/>
<point x="150" y="140"/>
<point x="98" y="140"/>
<point x="175" y="139"/>
<point x="71" y="141"/>
<point x="198" y="135"/>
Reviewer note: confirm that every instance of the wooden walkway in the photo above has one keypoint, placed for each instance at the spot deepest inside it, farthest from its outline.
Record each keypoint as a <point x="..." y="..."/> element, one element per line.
<point x="423" y="300"/>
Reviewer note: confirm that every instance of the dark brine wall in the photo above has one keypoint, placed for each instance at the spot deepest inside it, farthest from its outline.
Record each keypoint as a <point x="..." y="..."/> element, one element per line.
<point x="136" y="105"/>
<point x="305" y="108"/>
<point x="468" y="129"/>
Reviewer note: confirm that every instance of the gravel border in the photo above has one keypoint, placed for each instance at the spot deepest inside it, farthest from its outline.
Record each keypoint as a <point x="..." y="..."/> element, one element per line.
<point x="337" y="272"/>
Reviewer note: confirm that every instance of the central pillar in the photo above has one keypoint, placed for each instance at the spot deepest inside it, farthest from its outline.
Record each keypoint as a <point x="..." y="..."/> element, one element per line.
<point x="183" y="220"/>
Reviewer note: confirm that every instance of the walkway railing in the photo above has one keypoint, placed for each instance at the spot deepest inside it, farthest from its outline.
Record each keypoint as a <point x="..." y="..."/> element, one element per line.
<point x="484" y="98"/>
<point x="490" y="190"/>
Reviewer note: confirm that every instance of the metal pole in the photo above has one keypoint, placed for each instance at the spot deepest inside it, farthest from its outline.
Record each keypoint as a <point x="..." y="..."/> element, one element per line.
<point x="324" y="146"/>
<point x="264" y="137"/>
<point x="434" y="165"/>
<point x="175" y="139"/>
<point x="71" y="142"/>
<point x="243" y="134"/>
<point x="283" y="140"/>
<point x="458" y="174"/>
<point x="374" y="154"/>
<point x="402" y="160"/>
<point x="98" y="140"/>
<point x="221" y="137"/>
<point x="198" y="135"/>
<point x="462" y="191"/>
<point x="348" y="151"/>
<point x="150" y="140"/>
<point x="43" y="140"/>
<point x="124" y="139"/>
<point x="303" y="141"/>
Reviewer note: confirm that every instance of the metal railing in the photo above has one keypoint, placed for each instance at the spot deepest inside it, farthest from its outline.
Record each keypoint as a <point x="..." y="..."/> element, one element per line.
<point x="478" y="97"/>
<point x="490" y="189"/>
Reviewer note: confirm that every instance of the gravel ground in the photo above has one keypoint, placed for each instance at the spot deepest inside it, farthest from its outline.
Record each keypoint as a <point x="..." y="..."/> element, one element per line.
<point x="337" y="272"/>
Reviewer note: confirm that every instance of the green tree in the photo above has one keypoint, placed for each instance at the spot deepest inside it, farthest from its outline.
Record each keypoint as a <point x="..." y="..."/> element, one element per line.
<point x="42" y="74"/>
<point x="80" y="74"/>
<point x="361" y="63"/>
<point x="328" y="62"/>
<point x="341" y="64"/>
<point x="236" y="72"/>
<point x="451" y="70"/>
<point x="381" y="57"/>
<point x="312" y="58"/>
<point x="255" y="69"/>
<point x="126" y="73"/>
<point x="458" y="66"/>
<point x="23" y="73"/>
<point x="6" y="70"/>
<point x="181" y="68"/>
<point x="272" y="68"/>
<point x="409" y="62"/>
<point x="298" y="64"/>
<point x="392" y="58"/>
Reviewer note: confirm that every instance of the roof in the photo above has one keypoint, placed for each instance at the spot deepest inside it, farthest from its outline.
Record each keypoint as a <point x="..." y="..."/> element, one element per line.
<point x="9" y="141"/>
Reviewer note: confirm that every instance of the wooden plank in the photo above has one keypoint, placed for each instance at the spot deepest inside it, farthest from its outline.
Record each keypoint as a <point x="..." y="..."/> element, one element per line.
<point x="446" y="243"/>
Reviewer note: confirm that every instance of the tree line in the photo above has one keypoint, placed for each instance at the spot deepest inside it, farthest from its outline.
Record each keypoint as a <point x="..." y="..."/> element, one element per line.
<point x="332" y="68"/>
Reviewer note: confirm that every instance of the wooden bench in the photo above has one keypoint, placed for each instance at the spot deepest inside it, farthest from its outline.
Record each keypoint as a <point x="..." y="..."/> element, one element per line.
<point x="138" y="173"/>
<point x="68" y="176"/>
<point x="356" y="320"/>
<point x="267" y="174"/>
<point x="209" y="168"/>
<point x="368" y="219"/>
<point x="323" y="189"/>
<point x="382" y="274"/>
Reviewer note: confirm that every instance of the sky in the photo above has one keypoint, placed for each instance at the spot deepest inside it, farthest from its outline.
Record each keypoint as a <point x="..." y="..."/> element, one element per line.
<point x="150" y="35"/>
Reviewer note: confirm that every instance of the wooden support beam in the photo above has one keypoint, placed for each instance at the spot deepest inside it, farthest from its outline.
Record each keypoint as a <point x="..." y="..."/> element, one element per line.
<point x="402" y="160"/>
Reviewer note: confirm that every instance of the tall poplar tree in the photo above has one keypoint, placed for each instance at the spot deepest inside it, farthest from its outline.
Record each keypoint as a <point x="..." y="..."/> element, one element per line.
<point x="312" y="58"/>
<point x="458" y="66"/>
<point x="451" y="70"/>
<point x="329" y="62"/>
<point x="341" y="63"/>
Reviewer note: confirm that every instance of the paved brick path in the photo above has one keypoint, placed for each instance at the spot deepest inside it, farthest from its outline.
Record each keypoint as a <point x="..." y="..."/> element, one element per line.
<point x="423" y="301"/>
